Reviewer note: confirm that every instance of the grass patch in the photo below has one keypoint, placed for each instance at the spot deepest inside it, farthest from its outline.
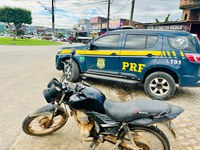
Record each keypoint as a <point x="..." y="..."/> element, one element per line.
<point x="26" y="42"/>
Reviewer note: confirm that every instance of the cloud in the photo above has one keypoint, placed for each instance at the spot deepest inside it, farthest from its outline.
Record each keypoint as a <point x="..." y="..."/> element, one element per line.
<point x="67" y="12"/>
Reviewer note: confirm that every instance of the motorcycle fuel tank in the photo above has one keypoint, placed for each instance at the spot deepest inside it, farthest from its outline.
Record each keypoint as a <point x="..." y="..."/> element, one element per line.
<point x="92" y="102"/>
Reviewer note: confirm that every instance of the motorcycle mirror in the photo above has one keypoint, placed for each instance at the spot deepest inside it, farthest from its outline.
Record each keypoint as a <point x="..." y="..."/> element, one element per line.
<point x="73" y="51"/>
<point x="89" y="46"/>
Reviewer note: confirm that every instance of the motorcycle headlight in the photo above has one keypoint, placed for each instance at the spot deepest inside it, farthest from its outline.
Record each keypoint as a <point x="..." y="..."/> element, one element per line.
<point x="52" y="93"/>
<point x="53" y="82"/>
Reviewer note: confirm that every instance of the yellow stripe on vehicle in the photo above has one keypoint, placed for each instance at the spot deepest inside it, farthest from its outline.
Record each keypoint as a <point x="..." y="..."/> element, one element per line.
<point x="140" y="53"/>
<point x="173" y="53"/>
<point x="182" y="54"/>
<point x="168" y="53"/>
<point x="117" y="52"/>
<point x="103" y="52"/>
<point x="67" y="51"/>
<point x="163" y="52"/>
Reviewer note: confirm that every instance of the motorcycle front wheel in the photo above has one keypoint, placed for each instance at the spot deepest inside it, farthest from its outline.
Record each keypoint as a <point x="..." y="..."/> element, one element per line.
<point x="146" y="138"/>
<point x="41" y="125"/>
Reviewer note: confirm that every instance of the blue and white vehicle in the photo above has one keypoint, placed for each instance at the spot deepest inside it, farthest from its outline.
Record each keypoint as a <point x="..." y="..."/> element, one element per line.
<point x="158" y="59"/>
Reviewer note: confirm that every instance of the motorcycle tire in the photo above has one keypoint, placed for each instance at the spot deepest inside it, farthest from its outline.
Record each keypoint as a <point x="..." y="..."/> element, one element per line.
<point x="43" y="124"/>
<point x="142" y="143"/>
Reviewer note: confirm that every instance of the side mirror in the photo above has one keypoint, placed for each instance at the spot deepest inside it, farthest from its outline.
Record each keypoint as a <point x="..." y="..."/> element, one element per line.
<point x="73" y="51"/>
<point x="89" y="45"/>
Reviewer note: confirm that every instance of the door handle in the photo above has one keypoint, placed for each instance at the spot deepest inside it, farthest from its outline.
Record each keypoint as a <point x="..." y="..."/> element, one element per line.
<point x="113" y="54"/>
<point x="149" y="55"/>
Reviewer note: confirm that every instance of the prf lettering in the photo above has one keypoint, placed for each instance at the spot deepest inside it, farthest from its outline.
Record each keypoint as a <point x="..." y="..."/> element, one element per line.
<point x="132" y="66"/>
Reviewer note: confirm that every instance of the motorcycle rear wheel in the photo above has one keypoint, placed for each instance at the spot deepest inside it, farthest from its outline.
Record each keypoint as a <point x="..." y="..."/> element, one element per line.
<point x="41" y="125"/>
<point x="147" y="138"/>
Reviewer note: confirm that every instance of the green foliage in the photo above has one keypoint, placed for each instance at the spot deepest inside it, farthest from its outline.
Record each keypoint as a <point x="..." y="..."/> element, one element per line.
<point x="167" y="18"/>
<point x="26" y="42"/>
<point x="60" y="35"/>
<point x="20" y="32"/>
<point x="17" y="16"/>
<point x="157" y="21"/>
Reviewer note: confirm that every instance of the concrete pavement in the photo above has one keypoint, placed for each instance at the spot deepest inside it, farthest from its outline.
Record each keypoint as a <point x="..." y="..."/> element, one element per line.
<point x="24" y="74"/>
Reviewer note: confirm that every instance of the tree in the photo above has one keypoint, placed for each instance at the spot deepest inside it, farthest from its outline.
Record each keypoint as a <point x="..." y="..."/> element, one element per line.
<point x="60" y="35"/>
<point x="166" y="19"/>
<point x="157" y="21"/>
<point x="15" y="16"/>
<point x="20" y="32"/>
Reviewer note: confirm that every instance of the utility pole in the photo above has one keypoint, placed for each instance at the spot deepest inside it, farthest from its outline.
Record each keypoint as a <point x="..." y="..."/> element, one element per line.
<point x="132" y="10"/>
<point x="53" y="21"/>
<point x="108" y="21"/>
<point x="51" y="11"/>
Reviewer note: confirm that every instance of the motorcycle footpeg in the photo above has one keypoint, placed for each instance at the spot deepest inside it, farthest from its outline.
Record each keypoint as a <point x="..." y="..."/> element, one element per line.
<point x="89" y="139"/>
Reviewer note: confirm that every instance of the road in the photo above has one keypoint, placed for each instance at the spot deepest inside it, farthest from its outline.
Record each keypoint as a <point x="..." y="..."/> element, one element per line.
<point x="25" y="72"/>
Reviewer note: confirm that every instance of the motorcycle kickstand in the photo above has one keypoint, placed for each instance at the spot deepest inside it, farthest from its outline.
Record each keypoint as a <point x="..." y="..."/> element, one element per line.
<point x="94" y="145"/>
<point x="128" y="132"/>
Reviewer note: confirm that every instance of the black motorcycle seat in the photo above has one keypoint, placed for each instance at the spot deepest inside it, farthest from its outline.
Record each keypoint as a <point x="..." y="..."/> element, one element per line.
<point x="131" y="110"/>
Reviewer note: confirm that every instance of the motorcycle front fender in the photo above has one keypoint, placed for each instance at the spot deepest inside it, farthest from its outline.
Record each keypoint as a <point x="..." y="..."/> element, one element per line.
<point x="47" y="111"/>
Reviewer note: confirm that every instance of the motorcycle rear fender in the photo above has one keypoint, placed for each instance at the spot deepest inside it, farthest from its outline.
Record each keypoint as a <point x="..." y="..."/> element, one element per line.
<point x="47" y="111"/>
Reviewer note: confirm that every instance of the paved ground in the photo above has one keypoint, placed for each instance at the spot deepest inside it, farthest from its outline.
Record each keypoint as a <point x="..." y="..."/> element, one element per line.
<point x="25" y="71"/>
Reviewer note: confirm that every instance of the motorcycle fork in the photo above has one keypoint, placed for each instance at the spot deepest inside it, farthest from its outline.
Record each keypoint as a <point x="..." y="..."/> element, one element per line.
<point x="50" y="122"/>
<point x="128" y="132"/>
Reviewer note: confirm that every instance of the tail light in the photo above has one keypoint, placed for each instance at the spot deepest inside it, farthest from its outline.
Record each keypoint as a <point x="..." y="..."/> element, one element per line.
<point x="193" y="57"/>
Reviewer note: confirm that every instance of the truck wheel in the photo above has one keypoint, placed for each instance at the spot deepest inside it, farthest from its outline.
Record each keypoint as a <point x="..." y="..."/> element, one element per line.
<point x="159" y="85"/>
<point x="74" y="73"/>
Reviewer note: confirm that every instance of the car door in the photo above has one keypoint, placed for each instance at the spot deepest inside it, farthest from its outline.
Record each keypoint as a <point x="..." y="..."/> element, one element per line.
<point x="103" y="56"/>
<point x="140" y="52"/>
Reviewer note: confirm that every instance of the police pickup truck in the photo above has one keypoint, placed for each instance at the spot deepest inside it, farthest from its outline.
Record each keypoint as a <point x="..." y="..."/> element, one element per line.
<point x="158" y="59"/>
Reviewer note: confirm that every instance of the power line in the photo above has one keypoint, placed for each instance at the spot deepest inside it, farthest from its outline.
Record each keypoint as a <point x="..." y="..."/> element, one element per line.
<point x="122" y="7"/>
<point x="92" y="3"/>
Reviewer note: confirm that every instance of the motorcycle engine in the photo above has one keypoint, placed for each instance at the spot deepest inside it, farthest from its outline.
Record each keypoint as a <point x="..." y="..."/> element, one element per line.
<point x="82" y="117"/>
<point x="84" y="123"/>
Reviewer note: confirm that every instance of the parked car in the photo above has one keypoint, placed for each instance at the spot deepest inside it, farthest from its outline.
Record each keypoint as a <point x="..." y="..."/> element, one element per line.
<point x="158" y="59"/>
<point x="46" y="36"/>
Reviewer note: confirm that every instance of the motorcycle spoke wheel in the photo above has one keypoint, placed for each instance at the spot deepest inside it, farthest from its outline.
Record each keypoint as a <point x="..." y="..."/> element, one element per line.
<point x="147" y="138"/>
<point x="42" y="125"/>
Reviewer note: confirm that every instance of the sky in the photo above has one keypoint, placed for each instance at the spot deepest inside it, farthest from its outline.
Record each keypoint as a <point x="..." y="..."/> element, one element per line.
<point x="67" y="12"/>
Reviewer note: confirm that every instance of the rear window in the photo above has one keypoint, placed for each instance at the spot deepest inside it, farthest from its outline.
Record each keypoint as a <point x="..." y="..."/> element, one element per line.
<point x="140" y="41"/>
<point x="151" y="41"/>
<point x="181" y="43"/>
<point x="196" y="40"/>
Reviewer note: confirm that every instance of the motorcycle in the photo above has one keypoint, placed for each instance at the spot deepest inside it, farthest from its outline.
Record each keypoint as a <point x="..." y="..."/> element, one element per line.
<point x="127" y="125"/>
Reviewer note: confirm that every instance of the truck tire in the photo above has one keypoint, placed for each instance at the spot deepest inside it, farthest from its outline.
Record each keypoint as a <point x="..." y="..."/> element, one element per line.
<point x="159" y="85"/>
<point x="74" y="74"/>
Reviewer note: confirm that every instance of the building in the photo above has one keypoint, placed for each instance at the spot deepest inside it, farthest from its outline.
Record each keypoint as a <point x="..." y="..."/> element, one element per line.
<point x="190" y="19"/>
<point x="191" y="10"/>
<point x="99" y="25"/>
